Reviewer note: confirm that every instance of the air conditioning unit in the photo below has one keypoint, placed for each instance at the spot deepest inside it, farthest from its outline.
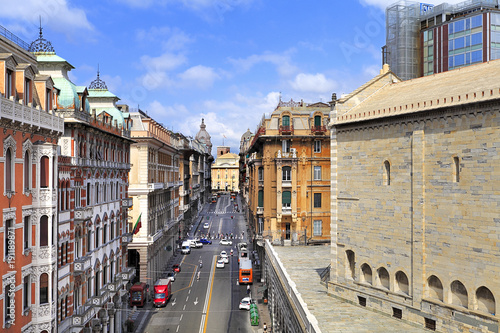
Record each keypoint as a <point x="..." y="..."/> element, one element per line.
<point x="293" y="150"/>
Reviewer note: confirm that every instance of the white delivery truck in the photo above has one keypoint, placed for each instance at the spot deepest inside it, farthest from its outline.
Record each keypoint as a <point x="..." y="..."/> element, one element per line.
<point x="185" y="247"/>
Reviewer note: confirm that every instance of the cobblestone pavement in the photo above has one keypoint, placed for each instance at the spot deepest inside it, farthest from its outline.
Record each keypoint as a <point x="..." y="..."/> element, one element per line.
<point x="304" y="264"/>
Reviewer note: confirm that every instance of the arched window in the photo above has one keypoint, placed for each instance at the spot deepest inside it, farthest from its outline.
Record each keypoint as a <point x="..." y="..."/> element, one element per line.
<point x="67" y="188"/>
<point x="44" y="230"/>
<point x="402" y="284"/>
<point x="387" y="173"/>
<point x="8" y="170"/>
<point x="27" y="171"/>
<point x="285" y="121"/>
<point x="61" y="196"/>
<point x="287" y="173"/>
<point x="485" y="300"/>
<point x="351" y="264"/>
<point x="317" y="121"/>
<point x="366" y="274"/>
<point x="261" y="173"/>
<point x="44" y="172"/>
<point x="435" y="288"/>
<point x="97" y="193"/>
<point x="383" y="278"/>
<point x="459" y="295"/>
<point x="44" y="288"/>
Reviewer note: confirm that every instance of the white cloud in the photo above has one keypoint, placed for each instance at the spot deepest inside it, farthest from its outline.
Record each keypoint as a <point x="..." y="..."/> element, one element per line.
<point x="282" y="62"/>
<point x="171" y="39"/>
<point x="199" y="76"/>
<point x="55" y="14"/>
<point x="165" y="62"/>
<point x="316" y="83"/>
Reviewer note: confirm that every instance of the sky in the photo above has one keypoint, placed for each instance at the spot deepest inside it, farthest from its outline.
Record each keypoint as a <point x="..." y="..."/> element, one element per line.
<point x="226" y="61"/>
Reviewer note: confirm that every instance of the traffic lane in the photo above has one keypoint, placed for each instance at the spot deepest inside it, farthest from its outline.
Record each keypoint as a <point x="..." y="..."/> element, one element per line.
<point x="219" y="314"/>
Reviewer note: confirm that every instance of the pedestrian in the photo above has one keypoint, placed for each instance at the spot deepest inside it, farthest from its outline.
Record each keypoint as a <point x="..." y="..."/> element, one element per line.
<point x="264" y="327"/>
<point x="248" y="289"/>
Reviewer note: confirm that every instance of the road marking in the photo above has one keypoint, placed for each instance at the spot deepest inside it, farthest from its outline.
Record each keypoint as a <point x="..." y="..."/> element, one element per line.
<point x="187" y="298"/>
<point x="184" y="308"/>
<point x="181" y="317"/>
<point x="173" y="302"/>
<point x="208" y="298"/>
<point x="196" y="301"/>
<point x="177" y="328"/>
<point x="189" y="292"/>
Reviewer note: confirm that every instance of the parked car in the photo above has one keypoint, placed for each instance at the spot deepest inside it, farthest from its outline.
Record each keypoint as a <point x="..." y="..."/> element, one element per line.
<point x="206" y="225"/>
<point x="220" y="264"/>
<point x="205" y="241"/>
<point x="176" y="268"/>
<point x="245" y="303"/>
<point x="225" y="242"/>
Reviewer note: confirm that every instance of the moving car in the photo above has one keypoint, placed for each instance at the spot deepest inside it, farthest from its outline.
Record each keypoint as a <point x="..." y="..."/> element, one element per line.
<point x="224" y="257"/>
<point x="220" y="263"/>
<point x="186" y="247"/>
<point x="176" y="268"/>
<point x="225" y="242"/>
<point x="198" y="244"/>
<point x="163" y="292"/>
<point x="245" y="303"/>
<point x="206" y="225"/>
<point x="205" y="241"/>
<point x="171" y="276"/>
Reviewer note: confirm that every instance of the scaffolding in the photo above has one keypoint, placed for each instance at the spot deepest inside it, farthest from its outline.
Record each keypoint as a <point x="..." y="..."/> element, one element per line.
<point x="402" y="39"/>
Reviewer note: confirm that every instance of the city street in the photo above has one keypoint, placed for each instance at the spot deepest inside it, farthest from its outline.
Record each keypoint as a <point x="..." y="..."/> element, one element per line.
<point x="209" y="304"/>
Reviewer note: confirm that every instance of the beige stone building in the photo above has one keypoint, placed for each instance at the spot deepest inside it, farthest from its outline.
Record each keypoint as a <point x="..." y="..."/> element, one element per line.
<point x="415" y="211"/>
<point x="288" y="172"/>
<point x="154" y="186"/>
<point x="225" y="171"/>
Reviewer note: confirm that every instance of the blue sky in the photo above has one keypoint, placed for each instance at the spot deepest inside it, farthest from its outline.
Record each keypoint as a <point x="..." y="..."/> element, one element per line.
<point x="226" y="61"/>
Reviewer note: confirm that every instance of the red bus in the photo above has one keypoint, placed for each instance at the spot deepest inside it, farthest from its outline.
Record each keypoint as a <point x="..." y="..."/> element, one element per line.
<point x="245" y="271"/>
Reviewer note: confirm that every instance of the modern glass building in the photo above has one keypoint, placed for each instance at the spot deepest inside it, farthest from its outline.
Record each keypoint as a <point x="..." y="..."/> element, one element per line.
<point x="448" y="36"/>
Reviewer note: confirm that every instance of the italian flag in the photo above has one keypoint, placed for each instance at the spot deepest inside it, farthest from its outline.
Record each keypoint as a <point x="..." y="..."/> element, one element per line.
<point x="137" y="225"/>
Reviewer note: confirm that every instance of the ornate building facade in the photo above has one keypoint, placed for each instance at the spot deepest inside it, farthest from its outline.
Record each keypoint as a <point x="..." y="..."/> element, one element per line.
<point x="415" y="178"/>
<point x="93" y="201"/>
<point x="28" y="165"/>
<point x="226" y="171"/>
<point x="288" y="172"/>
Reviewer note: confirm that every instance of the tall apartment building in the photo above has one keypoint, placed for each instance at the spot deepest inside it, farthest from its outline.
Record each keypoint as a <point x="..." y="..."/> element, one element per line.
<point x="245" y="141"/>
<point x="28" y="164"/>
<point x="415" y="178"/>
<point x="424" y="39"/>
<point x="289" y="174"/>
<point x="154" y="186"/>
<point x="92" y="200"/>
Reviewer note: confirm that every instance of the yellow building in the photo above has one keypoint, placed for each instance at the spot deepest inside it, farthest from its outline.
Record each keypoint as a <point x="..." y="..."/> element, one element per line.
<point x="288" y="174"/>
<point x="225" y="171"/>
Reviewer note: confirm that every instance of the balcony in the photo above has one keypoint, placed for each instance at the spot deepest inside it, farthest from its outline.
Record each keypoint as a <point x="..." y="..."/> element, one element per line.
<point x="127" y="202"/>
<point x="82" y="315"/>
<point x="286" y="130"/>
<point x="27" y="115"/>
<point x="128" y="273"/>
<point x="115" y="285"/>
<point x="286" y="183"/>
<point x="260" y="210"/>
<point x="321" y="129"/>
<point x="286" y="210"/>
<point x="83" y="214"/>
<point x="81" y="264"/>
<point x="101" y="299"/>
<point x="127" y="238"/>
<point x="155" y="186"/>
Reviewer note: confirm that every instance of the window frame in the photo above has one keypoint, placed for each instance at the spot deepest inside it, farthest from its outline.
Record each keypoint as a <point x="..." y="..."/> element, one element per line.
<point x="286" y="174"/>
<point x="317" y="146"/>
<point x="315" y="228"/>
<point x="317" y="171"/>
<point x="317" y="200"/>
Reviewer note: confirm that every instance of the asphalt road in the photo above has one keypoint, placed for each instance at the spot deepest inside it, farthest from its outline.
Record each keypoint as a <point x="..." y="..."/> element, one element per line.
<point x="209" y="304"/>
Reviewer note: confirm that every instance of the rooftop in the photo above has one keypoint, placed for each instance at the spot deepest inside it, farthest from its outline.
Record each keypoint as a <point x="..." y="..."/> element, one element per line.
<point x="304" y="264"/>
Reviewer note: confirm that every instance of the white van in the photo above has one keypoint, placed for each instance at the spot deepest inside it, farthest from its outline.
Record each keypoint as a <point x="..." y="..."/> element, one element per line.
<point x="185" y="248"/>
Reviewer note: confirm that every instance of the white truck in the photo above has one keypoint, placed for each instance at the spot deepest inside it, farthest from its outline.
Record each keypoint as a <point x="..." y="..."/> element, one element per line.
<point x="185" y="247"/>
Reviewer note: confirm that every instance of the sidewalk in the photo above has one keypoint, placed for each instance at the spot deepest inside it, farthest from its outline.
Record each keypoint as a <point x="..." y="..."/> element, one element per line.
<point x="264" y="316"/>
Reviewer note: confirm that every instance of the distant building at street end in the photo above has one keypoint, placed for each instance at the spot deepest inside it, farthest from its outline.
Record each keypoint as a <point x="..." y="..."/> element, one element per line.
<point x="288" y="174"/>
<point x="424" y="39"/>
<point x="415" y="179"/>
<point x="225" y="171"/>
